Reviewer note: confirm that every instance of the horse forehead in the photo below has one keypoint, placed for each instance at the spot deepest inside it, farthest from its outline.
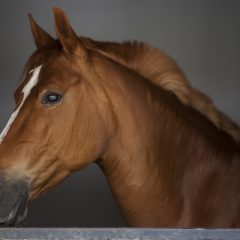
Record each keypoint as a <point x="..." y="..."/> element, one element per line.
<point x="60" y="68"/>
<point x="33" y="79"/>
<point x="30" y="79"/>
<point x="58" y="64"/>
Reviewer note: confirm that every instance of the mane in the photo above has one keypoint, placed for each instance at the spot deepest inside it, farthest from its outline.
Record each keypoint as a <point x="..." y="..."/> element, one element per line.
<point x="156" y="66"/>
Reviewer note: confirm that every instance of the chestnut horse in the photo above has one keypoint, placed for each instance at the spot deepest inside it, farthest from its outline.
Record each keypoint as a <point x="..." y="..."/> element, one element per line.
<point x="170" y="157"/>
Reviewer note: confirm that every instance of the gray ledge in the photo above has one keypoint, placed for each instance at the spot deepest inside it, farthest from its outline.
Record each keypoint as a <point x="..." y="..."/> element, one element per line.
<point x="119" y="233"/>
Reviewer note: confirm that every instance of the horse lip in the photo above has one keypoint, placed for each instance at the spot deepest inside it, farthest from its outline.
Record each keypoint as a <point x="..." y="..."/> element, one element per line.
<point x="19" y="208"/>
<point x="10" y="218"/>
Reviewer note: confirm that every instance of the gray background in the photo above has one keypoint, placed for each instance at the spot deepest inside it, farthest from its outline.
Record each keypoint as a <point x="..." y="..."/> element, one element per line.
<point x="203" y="36"/>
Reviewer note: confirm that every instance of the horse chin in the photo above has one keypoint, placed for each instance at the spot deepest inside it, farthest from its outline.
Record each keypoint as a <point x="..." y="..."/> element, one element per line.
<point x="13" y="204"/>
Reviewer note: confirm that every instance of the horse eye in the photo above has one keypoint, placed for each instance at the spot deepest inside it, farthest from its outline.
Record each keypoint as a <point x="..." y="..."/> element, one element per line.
<point x="51" y="98"/>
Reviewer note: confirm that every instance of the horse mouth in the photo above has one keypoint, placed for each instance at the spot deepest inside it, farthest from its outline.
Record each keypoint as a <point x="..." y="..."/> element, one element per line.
<point x="17" y="214"/>
<point x="13" y="203"/>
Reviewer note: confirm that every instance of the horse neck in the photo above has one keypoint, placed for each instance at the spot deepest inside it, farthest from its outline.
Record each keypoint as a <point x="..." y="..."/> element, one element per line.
<point x="156" y="142"/>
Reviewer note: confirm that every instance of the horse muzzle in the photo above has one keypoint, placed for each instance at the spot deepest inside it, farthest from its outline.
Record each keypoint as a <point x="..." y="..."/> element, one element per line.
<point x="13" y="202"/>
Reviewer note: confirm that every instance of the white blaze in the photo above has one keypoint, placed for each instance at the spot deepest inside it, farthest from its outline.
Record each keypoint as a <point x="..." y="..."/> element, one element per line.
<point x="26" y="91"/>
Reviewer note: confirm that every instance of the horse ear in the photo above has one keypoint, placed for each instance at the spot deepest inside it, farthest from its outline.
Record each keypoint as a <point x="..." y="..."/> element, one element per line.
<point x="41" y="37"/>
<point x="68" y="38"/>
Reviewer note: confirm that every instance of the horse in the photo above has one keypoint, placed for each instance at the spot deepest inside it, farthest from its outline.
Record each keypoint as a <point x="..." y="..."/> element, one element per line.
<point x="171" y="158"/>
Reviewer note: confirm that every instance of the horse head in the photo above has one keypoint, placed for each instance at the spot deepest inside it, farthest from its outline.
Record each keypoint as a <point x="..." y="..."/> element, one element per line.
<point x="57" y="126"/>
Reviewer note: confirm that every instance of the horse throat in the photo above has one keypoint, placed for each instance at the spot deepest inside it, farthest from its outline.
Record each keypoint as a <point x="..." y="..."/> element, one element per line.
<point x="139" y="162"/>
